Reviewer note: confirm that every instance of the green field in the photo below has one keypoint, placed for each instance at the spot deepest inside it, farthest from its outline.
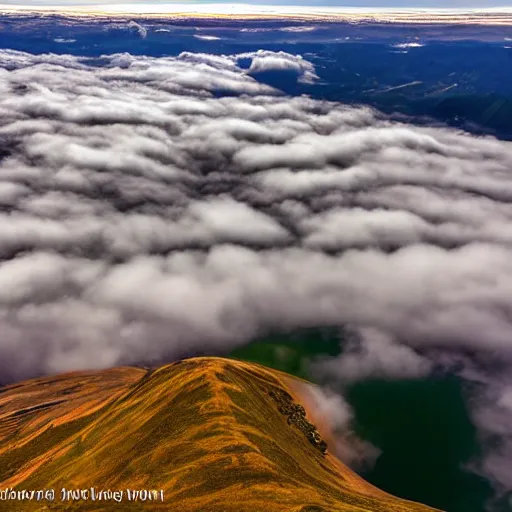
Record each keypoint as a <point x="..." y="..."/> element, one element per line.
<point x="291" y="352"/>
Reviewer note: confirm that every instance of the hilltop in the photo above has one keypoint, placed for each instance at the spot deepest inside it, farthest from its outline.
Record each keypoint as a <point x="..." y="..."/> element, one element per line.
<point x="208" y="434"/>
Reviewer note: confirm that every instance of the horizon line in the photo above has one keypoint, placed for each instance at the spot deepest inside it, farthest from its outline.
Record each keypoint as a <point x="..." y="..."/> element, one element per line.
<point x="460" y="15"/>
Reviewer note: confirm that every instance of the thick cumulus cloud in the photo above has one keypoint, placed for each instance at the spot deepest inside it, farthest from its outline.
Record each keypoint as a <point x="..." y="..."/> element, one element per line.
<point x="266" y="60"/>
<point x="145" y="216"/>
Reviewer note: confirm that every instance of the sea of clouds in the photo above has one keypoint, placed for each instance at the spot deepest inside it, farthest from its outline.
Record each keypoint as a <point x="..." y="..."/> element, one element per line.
<point x="143" y="216"/>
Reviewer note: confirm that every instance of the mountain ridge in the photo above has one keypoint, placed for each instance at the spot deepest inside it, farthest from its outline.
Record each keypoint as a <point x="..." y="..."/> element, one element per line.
<point x="206" y="433"/>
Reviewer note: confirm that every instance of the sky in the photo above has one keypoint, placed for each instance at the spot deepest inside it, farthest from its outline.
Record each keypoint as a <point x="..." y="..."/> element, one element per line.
<point x="440" y="4"/>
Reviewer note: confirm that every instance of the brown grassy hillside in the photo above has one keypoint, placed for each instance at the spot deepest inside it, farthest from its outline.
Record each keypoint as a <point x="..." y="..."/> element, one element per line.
<point x="212" y="434"/>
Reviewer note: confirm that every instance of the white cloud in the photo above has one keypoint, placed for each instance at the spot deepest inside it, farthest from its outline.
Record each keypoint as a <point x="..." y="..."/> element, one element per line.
<point x="144" y="218"/>
<point x="374" y="354"/>
<point x="334" y="418"/>
<point x="142" y="31"/>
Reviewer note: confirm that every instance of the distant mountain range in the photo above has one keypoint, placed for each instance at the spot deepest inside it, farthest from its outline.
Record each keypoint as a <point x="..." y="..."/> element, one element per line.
<point x="458" y="73"/>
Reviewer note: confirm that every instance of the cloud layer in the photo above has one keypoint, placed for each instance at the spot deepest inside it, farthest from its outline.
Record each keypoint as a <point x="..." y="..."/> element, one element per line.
<point x="143" y="216"/>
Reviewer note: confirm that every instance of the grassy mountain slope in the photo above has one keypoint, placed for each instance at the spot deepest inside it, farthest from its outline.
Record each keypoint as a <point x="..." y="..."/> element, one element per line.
<point x="209" y="432"/>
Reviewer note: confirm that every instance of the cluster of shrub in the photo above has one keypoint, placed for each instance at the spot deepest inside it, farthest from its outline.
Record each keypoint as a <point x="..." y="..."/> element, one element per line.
<point x="296" y="415"/>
